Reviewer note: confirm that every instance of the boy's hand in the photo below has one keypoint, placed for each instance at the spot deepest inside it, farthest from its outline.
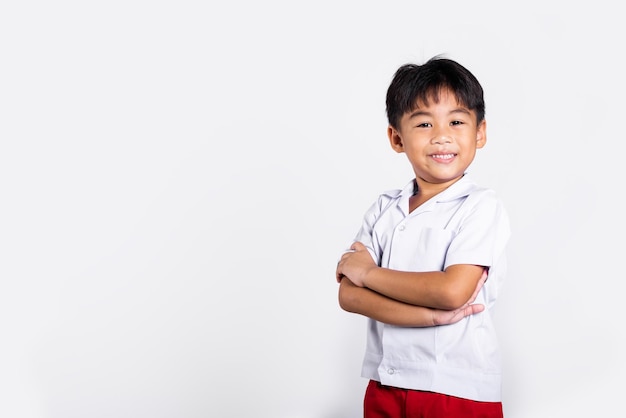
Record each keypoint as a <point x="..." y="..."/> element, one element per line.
<point x="355" y="264"/>
<point x="441" y="317"/>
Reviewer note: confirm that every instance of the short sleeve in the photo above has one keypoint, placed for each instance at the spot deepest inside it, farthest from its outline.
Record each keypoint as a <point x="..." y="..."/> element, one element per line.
<point x="482" y="233"/>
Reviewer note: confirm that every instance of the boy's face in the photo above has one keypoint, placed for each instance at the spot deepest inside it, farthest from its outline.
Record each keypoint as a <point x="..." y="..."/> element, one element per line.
<point x="439" y="139"/>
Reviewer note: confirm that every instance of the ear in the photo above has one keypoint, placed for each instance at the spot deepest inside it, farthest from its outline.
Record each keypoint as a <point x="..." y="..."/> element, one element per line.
<point x="481" y="134"/>
<point x="395" y="139"/>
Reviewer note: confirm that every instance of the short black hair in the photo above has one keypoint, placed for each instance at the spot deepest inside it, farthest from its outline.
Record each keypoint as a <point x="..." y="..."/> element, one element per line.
<point x="414" y="83"/>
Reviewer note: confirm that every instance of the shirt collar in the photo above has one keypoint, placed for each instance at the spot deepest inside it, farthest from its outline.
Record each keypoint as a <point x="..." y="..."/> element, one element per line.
<point x="458" y="190"/>
<point x="461" y="188"/>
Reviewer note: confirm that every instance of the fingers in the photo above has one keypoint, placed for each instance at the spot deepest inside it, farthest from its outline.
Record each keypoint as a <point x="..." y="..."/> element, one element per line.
<point x="357" y="246"/>
<point x="473" y="309"/>
<point x="338" y="274"/>
<point x="483" y="276"/>
<point x="339" y="271"/>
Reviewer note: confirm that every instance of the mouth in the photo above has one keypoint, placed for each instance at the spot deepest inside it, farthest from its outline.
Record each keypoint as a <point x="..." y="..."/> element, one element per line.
<point x="443" y="158"/>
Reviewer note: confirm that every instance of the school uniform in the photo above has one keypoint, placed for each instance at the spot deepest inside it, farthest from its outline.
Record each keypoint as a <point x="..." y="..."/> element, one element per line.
<point x="464" y="224"/>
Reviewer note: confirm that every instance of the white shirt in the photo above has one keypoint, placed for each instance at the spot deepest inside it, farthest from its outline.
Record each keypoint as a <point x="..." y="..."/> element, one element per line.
<point x="464" y="224"/>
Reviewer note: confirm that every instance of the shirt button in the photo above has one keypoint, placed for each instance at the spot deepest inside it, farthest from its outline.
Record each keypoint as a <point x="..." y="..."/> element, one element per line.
<point x="401" y="228"/>
<point x="391" y="370"/>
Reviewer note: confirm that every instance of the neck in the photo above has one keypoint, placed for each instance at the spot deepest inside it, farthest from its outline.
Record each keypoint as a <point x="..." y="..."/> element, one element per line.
<point x="425" y="190"/>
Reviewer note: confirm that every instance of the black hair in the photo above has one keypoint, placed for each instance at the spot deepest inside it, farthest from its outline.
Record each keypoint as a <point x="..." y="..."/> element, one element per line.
<point x="414" y="83"/>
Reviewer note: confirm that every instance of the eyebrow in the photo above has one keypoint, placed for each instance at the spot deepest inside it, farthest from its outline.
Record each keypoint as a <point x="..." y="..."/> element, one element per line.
<point x="424" y="113"/>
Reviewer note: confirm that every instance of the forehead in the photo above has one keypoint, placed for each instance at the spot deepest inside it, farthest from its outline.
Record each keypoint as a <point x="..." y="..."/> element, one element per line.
<point x="441" y="95"/>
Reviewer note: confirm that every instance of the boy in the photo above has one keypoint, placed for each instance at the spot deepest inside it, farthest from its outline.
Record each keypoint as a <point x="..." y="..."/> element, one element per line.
<point x="421" y="257"/>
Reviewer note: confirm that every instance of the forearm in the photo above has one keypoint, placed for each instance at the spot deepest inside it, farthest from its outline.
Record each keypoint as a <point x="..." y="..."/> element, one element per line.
<point x="436" y="289"/>
<point x="369" y="303"/>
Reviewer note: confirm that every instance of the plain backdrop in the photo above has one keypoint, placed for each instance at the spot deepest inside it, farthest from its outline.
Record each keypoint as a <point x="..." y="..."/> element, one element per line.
<point x="178" y="179"/>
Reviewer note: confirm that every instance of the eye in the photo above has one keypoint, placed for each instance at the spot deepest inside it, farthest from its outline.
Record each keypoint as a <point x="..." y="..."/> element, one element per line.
<point x="424" y="125"/>
<point x="456" y="122"/>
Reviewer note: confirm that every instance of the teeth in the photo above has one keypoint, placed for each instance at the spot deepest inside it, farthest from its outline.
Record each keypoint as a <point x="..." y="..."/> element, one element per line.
<point x="443" y="156"/>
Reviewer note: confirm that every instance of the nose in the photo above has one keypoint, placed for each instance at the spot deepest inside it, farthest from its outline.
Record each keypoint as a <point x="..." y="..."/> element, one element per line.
<point x="441" y="139"/>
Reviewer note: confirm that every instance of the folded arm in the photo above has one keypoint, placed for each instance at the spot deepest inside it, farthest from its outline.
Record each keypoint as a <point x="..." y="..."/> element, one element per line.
<point x="369" y="303"/>
<point x="447" y="290"/>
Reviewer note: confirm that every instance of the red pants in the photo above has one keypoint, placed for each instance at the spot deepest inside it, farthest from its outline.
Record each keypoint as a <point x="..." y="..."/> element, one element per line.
<point x="390" y="402"/>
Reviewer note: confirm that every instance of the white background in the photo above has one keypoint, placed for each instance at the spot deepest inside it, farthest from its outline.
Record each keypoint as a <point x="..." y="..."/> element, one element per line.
<point x="178" y="178"/>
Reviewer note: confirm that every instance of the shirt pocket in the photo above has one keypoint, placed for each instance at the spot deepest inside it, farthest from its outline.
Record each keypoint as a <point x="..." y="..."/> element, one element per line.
<point x="430" y="249"/>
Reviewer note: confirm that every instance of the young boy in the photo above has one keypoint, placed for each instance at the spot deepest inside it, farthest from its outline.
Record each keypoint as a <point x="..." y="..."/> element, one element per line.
<point x="420" y="259"/>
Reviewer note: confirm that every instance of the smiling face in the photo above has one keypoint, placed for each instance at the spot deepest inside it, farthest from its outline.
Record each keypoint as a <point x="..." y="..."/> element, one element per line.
<point x="440" y="139"/>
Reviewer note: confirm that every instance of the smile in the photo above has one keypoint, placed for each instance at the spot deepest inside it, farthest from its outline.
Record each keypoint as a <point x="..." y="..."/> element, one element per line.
<point x="443" y="156"/>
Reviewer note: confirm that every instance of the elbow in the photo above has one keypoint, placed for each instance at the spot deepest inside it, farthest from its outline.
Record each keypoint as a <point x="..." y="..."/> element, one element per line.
<point x="453" y="299"/>
<point x="343" y="304"/>
<point x="346" y="299"/>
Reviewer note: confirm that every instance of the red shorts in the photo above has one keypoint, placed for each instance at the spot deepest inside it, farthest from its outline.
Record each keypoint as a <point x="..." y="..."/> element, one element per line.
<point x="390" y="402"/>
